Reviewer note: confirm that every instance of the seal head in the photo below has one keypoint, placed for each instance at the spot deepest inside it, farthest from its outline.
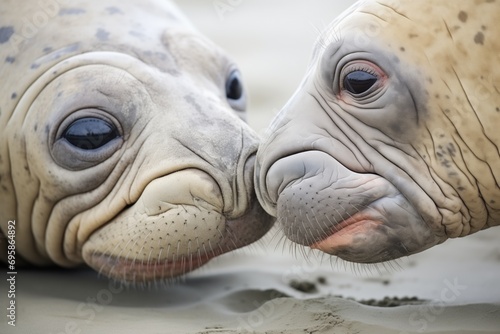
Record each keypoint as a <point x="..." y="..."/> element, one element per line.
<point x="390" y="144"/>
<point x="123" y="141"/>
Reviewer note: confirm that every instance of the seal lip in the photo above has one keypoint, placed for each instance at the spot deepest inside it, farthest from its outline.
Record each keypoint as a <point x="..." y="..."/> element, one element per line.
<point x="357" y="223"/>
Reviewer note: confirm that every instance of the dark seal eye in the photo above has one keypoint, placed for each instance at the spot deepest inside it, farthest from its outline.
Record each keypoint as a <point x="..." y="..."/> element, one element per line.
<point x="234" y="87"/>
<point x="358" y="82"/>
<point x="90" y="133"/>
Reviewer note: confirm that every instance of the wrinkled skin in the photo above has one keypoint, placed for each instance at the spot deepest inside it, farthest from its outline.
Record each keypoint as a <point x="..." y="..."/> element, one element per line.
<point x="390" y="145"/>
<point x="123" y="143"/>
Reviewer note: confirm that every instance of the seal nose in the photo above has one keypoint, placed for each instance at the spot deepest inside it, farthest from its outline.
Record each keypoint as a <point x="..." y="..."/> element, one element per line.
<point x="284" y="172"/>
<point x="186" y="187"/>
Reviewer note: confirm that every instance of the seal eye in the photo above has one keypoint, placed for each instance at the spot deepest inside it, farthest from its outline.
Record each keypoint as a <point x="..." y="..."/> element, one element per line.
<point x="90" y="133"/>
<point x="235" y="93"/>
<point x="234" y="88"/>
<point x="358" y="82"/>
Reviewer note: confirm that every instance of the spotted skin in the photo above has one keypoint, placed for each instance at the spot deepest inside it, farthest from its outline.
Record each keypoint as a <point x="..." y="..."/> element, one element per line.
<point x="374" y="174"/>
<point x="162" y="180"/>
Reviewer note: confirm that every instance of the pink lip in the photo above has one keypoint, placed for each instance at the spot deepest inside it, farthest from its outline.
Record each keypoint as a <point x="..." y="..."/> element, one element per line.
<point x="344" y="232"/>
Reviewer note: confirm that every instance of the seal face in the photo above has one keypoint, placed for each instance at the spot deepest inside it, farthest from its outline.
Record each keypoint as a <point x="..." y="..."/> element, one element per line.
<point x="123" y="143"/>
<point x="390" y="144"/>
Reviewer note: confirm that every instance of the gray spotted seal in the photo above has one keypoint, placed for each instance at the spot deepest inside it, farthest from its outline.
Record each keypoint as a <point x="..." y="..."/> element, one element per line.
<point x="391" y="143"/>
<point x="122" y="143"/>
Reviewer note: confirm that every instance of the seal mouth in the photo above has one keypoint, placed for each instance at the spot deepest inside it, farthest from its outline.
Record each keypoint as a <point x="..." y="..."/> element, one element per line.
<point x="343" y="233"/>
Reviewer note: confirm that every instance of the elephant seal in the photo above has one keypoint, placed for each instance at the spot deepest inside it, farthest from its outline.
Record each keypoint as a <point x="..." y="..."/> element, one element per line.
<point x="122" y="141"/>
<point x="390" y="145"/>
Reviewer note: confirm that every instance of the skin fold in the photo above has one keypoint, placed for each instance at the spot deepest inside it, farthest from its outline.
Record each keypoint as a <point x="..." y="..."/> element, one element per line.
<point x="390" y="144"/>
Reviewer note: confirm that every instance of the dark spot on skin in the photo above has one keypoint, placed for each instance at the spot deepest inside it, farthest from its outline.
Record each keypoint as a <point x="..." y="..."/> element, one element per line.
<point x="160" y="55"/>
<point x="47" y="129"/>
<point x="436" y="96"/>
<point x="413" y="35"/>
<point x="190" y="100"/>
<point x="462" y="16"/>
<point x="10" y="60"/>
<point x="71" y="11"/>
<point x="137" y="34"/>
<point x="35" y="66"/>
<point x="483" y="28"/>
<point x="102" y="34"/>
<point x="461" y="188"/>
<point x="479" y="38"/>
<point x="6" y="33"/>
<point x="47" y="49"/>
<point x="492" y="202"/>
<point x="113" y="10"/>
<point x="13" y="96"/>
<point x="35" y="127"/>
<point x="396" y="127"/>
<point x="445" y="163"/>
<point x="497" y="109"/>
<point x="402" y="49"/>
<point x="451" y="149"/>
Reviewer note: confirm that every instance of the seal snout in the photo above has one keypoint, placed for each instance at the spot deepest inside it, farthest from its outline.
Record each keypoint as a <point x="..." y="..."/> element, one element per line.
<point x="175" y="226"/>
<point x="313" y="194"/>
<point x="359" y="217"/>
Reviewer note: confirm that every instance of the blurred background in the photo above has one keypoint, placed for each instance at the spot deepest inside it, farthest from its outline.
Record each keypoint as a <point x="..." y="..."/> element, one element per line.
<point x="271" y="41"/>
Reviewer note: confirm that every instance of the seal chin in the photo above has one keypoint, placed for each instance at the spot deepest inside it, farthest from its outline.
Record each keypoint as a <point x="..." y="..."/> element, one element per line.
<point x="175" y="226"/>
<point x="135" y="270"/>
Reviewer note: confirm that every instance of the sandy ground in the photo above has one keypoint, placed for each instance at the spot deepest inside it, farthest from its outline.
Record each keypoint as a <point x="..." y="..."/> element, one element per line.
<point x="272" y="286"/>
